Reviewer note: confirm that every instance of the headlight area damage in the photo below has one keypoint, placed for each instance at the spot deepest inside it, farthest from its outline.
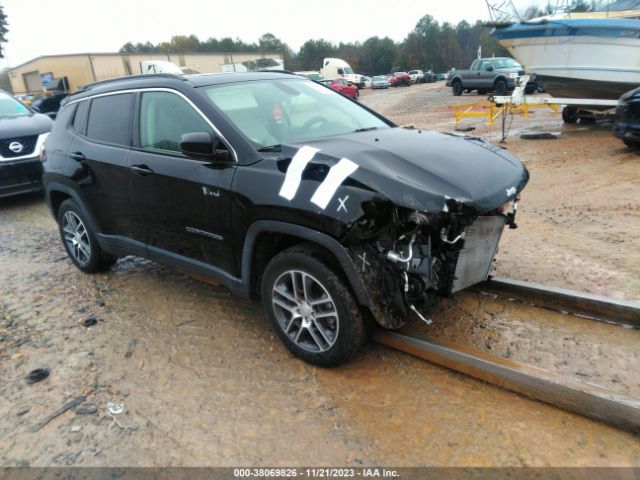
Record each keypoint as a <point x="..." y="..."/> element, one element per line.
<point x="409" y="258"/>
<point x="420" y="212"/>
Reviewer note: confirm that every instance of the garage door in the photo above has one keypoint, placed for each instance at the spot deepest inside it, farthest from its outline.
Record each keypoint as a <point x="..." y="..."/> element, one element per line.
<point x="32" y="81"/>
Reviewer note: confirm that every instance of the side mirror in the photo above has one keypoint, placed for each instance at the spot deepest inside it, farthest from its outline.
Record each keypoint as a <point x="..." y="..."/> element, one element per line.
<point x="490" y="68"/>
<point x="201" y="146"/>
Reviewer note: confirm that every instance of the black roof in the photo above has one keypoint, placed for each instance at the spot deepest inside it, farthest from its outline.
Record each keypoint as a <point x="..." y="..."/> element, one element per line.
<point x="169" y="79"/>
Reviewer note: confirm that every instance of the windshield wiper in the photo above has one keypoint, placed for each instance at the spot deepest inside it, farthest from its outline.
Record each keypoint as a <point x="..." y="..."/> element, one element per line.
<point x="365" y="129"/>
<point x="271" y="148"/>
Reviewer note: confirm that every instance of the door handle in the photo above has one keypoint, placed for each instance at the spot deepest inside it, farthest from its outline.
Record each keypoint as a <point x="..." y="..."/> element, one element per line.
<point x="77" y="156"/>
<point x="141" y="170"/>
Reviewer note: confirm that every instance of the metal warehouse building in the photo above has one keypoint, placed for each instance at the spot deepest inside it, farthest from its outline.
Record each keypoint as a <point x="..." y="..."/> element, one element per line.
<point x="78" y="69"/>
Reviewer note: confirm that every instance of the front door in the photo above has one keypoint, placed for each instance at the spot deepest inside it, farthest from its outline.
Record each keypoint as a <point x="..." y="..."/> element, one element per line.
<point x="183" y="205"/>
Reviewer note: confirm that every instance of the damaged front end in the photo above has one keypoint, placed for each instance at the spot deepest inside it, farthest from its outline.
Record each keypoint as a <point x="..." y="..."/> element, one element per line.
<point x="409" y="258"/>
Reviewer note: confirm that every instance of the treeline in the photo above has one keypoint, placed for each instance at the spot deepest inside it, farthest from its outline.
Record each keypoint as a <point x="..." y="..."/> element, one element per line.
<point x="430" y="45"/>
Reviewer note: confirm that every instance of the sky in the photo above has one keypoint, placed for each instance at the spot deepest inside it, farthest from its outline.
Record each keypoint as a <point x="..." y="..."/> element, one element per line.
<point x="46" y="27"/>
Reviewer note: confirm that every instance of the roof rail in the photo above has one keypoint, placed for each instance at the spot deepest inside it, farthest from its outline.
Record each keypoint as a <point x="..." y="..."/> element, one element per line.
<point x="147" y="76"/>
<point x="267" y="70"/>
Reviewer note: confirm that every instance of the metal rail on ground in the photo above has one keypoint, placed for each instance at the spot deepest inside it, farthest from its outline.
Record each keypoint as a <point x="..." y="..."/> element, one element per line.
<point x="571" y="394"/>
<point x="596" y="307"/>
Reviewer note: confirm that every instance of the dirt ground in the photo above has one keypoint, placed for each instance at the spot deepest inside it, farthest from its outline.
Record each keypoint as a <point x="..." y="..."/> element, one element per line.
<point x="204" y="382"/>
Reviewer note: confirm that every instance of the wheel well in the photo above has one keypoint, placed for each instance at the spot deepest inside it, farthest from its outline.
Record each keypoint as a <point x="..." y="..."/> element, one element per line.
<point x="56" y="198"/>
<point x="269" y="244"/>
<point x="498" y="79"/>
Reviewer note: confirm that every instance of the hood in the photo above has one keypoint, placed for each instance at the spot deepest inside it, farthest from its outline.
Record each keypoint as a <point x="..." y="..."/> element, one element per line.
<point x="421" y="170"/>
<point x="12" y="127"/>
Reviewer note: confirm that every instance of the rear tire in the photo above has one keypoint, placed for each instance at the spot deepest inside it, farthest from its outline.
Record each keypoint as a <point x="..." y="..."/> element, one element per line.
<point x="456" y="88"/>
<point x="311" y="308"/>
<point x="79" y="239"/>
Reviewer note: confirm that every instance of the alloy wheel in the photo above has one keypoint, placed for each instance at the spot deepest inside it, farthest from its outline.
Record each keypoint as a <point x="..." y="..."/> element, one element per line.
<point x="305" y="311"/>
<point x="76" y="237"/>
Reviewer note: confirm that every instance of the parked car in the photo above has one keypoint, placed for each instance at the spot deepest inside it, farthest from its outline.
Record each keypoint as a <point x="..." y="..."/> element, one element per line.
<point x="627" y="125"/>
<point x="379" y="81"/>
<point x="22" y="136"/>
<point x="399" y="79"/>
<point x="416" y="76"/>
<point x="343" y="86"/>
<point x="366" y="82"/>
<point x="440" y="77"/>
<point x="311" y="75"/>
<point x="282" y="190"/>
<point x="497" y="75"/>
<point x="49" y="105"/>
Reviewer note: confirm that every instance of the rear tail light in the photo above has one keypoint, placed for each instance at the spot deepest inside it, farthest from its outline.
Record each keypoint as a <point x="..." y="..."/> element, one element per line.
<point x="43" y="154"/>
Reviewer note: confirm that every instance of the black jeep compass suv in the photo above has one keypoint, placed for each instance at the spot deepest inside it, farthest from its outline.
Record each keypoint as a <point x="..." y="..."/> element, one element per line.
<point x="281" y="189"/>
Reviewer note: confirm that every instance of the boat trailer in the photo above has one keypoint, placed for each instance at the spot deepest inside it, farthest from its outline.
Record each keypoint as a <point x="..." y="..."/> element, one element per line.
<point x="570" y="106"/>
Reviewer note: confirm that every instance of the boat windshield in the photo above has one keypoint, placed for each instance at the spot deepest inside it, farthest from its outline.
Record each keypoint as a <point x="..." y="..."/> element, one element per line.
<point x="618" y="6"/>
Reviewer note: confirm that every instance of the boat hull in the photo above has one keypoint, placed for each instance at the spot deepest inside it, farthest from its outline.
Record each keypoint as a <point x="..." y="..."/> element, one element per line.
<point x="578" y="58"/>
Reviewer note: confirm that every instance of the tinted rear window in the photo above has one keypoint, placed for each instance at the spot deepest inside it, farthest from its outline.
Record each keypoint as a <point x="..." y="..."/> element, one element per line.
<point x="110" y="119"/>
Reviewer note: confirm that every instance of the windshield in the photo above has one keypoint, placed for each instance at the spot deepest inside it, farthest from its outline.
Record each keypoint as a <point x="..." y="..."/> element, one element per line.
<point x="274" y="112"/>
<point x="10" y="107"/>
<point x="505" y="63"/>
<point x="348" y="71"/>
<point x="379" y="78"/>
<point x="618" y="6"/>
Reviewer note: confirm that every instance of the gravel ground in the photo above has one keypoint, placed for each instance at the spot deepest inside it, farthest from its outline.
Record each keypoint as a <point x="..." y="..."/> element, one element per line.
<point x="204" y="382"/>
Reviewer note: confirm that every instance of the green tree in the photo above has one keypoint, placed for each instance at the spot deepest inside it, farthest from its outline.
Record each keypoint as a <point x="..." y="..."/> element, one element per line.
<point x="313" y="51"/>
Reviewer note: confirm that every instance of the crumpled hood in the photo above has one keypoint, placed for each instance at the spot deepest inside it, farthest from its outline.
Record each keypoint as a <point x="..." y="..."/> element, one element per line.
<point x="11" y="127"/>
<point x="420" y="170"/>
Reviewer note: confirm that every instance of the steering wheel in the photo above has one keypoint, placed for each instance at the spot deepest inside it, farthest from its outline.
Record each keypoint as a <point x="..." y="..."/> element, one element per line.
<point x="313" y="121"/>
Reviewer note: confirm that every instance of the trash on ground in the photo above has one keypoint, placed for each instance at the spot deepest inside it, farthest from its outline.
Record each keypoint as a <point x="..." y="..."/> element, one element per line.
<point x="540" y="136"/>
<point x="75" y="428"/>
<point x="90" y="321"/>
<point x="37" y="375"/>
<point x="86" y="409"/>
<point x="130" y="348"/>
<point x="114" y="408"/>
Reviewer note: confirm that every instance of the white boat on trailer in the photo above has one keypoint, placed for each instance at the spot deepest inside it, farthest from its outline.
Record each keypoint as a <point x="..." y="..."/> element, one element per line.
<point x="590" y="55"/>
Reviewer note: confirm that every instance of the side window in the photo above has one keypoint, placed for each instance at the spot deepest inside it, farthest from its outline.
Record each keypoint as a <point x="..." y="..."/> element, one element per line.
<point x="164" y="118"/>
<point x="340" y="71"/>
<point x="80" y="118"/>
<point x="110" y="119"/>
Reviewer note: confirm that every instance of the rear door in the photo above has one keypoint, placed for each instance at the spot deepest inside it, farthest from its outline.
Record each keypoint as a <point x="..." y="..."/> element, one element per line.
<point x="100" y="154"/>
<point x="182" y="205"/>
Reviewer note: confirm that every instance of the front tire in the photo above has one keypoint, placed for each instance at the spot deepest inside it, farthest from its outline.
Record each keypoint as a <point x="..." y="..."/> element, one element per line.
<point x="500" y="87"/>
<point x="456" y="88"/>
<point x="311" y="309"/>
<point x="79" y="240"/>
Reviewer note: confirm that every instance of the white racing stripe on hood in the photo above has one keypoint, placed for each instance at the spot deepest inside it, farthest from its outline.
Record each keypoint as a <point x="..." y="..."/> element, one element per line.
<point x="327" y="189"/>
<point x="294" y="172"/>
